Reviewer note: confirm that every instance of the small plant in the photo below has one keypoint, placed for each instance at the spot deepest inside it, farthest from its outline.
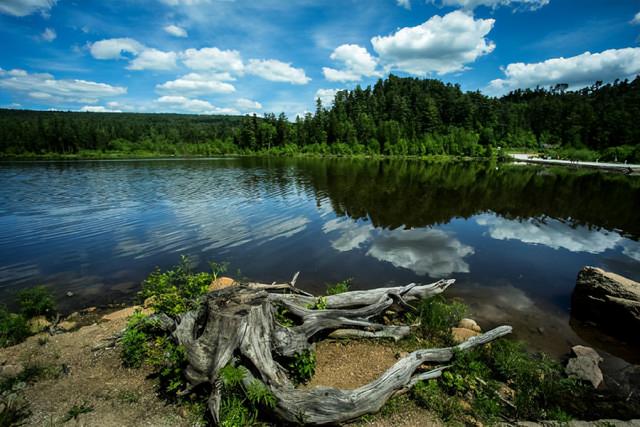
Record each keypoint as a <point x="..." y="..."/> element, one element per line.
<point x="283" y="317"/>
<point x="340" y="287"/>
<point x="260" y="395"/>
<point x="135" y="341"/>
<point x="168" y="359"/>
<point x="437" y="317"/>
<point x="177" y="290"/>
<point x="128" y="396"/>
<point x="429" y="395"/>
<point x="13" y="328"/>
<point x="76" y="411"/>
<point x="36" y="302"/>
<point x="320" y="304"/>
<point x="303" y="366"/>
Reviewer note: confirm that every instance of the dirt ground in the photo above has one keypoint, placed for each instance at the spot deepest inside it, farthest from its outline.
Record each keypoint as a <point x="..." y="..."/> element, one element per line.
<point x="84" y="375"/>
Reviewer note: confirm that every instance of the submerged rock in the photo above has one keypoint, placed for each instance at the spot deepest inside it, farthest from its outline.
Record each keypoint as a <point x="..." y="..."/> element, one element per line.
<point x="609" y="300"/>
<point x="585" y="365"/>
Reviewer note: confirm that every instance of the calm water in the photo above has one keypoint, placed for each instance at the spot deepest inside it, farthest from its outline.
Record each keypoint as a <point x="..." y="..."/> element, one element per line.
<point x="514" y="236"/>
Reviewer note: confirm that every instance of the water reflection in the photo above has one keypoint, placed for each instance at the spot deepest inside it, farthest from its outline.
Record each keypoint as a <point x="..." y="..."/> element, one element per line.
<point x="430" y="252"/>
<point x="558" y="234"/>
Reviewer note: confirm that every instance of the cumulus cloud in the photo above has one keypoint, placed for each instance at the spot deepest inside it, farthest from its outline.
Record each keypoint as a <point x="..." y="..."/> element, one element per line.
<point x="443" y="44"/>
<point x="404" y="3"/>
<point x="357" y="62"/>
<point x="472" y="4"/>
<point x="277" y="71"/>
<point x="25" y="7"/>
<point x="326" y="96"/>
<point x="198" y="83"/>
<point x="45" y="87"/>
<point x="248" y="104"/>
<point x="188" y="105"/>
<point x="576" y="71"/>
<point x="176" y="31"/>
<point x="98" y="109"/>
<point x="636" y="19"/>
<point x="213" y="59"/>
<point x="153" y="59"/>
<point x="49" y="35"/>
<point x="114" y="48"/>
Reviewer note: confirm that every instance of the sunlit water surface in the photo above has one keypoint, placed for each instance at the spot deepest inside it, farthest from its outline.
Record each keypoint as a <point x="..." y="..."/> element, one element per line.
<point x="513" y="236"/>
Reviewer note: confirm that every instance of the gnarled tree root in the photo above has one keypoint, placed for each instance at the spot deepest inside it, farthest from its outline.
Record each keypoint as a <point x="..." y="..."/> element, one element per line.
<point x="238" y="324"/>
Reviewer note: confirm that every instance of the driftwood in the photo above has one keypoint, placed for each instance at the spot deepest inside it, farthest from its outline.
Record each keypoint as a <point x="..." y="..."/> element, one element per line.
<point x="238" y="325"/>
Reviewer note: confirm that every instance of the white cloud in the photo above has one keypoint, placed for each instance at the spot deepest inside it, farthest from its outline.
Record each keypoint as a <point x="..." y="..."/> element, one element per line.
<point x="113" y="48"/>
<point x="248" y="104"/>
<point x="443" y="44"/>
<point x="213" y="59"/>
<point x="404" y="3"/>
<point x="472" y="4"/>
<point x="197" y="83"/>
<point x="576" y="71"/>
<point x="357" y="63"/>
<point x="326" y="96"/>
<point x="176" y="31"/>
<point x="153" y="59"/>
<point x="277" y="71"/>
<point x="25" y="7"/>
<point x="636" y="19"/>
<point x="49" y="35"/>
<point x="188" y="105"/>
<point x="44" y="86"/>
<point x="98" y="109"/>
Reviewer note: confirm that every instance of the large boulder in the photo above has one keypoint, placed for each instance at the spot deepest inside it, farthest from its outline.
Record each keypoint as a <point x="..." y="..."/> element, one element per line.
<point x="608" y="300"/>
<point x="585" y="365"/>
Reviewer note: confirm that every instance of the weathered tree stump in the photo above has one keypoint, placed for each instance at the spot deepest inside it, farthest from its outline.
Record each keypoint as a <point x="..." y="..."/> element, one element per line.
<point x="238" y="325"/>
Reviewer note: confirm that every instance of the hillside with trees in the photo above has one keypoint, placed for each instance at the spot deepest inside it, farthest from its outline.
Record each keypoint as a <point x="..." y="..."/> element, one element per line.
<point x="396" y="116"/>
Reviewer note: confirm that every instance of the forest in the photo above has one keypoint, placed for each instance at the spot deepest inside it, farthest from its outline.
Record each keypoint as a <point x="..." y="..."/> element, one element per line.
<point x="396" y="116"/>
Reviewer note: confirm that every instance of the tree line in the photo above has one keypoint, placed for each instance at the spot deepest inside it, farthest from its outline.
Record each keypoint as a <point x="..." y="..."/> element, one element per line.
<point x="396" y="116"/>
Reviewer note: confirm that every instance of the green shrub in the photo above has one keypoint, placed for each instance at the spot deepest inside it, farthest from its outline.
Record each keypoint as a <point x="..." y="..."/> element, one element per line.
<point x="283" y="317"/>
<point x="169" y="360"/>
<point x="135" y="341"/>
<point x="437" y="317"/>
<point x="340" y="287"/>
<point x="429" y="395"/>
<point x="303" y="366"/>
<point x="36" y="302"/>
<point x="13" y="328"/>
<point x="177" y="290"/>
<point x="320" y="304"/>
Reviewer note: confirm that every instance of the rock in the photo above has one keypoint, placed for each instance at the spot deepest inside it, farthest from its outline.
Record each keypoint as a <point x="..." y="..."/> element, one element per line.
<point x="67" y="325"/>
<point x="221" y="283"/>
<point x="462" y="334"/>
<point x="90" y="309"/>
<point x="585" y="365"/>
<point x="70" y="294"/>
<point x="73" y="316"/>
<point x="38" y="324"/>
<point x="608" y="300"/>
<point x="11" y="371"/>
<point x="469" y="324"/>
<point x="126" y="312"/>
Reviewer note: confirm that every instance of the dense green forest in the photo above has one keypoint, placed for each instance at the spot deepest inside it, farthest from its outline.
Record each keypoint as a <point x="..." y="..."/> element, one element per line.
<point x="396" y="116"/>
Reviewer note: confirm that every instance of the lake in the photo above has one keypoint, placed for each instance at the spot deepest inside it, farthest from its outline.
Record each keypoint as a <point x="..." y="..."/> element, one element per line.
<point x="513" y="236"/>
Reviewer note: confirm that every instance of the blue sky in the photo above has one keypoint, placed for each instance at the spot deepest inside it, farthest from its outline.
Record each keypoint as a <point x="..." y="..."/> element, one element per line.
<point x="240" y="56"/>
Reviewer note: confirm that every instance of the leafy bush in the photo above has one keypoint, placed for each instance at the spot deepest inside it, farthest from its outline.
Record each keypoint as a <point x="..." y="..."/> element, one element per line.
<point x="283" y="317"/>
<point x="169" y="360"/>
<point x="429" y="395"/>
<point x="241" y="405"/>
<point x="437" y="317"/>
<point x="177" y="290"/>
<point x="13" y="328"/>
<point x="320" y="304"/>
<point x="36" y="302"/>
<point x="135" y="341"/>
<point x="340" y="287"/>
<point x="303" y="366"/>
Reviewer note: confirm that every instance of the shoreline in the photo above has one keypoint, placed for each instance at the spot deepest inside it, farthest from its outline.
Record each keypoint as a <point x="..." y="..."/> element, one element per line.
<point x="632" y="169"/>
